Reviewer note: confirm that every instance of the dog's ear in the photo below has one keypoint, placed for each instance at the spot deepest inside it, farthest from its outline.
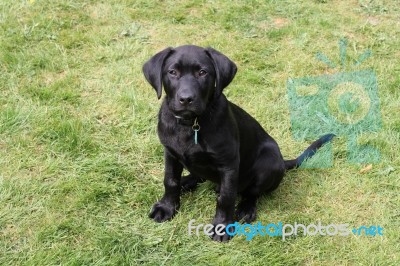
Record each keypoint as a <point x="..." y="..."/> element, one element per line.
<point x="152" y="69"/>
<point x="225" y="69"/>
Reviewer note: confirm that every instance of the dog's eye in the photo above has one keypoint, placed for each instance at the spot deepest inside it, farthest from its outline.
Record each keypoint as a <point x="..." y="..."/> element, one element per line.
<point x="173" y="72"/>
<point x="202" y="72"/>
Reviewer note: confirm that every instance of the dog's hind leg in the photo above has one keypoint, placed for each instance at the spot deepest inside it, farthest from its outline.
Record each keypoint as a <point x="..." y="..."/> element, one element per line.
<point x="268" y="171"/>
<point x="246" y="209"/>
<point x="190" y="183"/>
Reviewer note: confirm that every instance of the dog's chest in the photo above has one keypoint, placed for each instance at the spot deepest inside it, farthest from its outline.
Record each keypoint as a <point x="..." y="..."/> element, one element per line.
<point x="197" y="158"/>
<point x="190" y="153"/>
<point x="200" y="162"/>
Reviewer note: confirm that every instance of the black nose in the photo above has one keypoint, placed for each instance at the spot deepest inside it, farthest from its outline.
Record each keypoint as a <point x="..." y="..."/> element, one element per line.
<point x="185" y="99"/>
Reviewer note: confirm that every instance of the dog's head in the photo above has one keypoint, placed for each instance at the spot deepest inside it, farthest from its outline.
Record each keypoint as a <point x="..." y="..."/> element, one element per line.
<point x="192" y="77"/>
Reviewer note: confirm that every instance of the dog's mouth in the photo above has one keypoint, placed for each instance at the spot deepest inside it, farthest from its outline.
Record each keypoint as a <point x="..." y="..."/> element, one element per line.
<point x="185" y="115"/>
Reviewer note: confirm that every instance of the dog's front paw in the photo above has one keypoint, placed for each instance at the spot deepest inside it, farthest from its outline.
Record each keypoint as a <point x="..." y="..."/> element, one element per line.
<point x="163" y="211"/>
<point x="220" y="232"/>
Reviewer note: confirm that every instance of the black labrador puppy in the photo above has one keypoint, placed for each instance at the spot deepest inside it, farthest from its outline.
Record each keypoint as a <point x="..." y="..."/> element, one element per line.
<point x="211" y="137"/>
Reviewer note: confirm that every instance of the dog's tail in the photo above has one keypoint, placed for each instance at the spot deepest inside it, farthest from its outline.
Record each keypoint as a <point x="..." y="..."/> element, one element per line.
<point x="309" y="152"/>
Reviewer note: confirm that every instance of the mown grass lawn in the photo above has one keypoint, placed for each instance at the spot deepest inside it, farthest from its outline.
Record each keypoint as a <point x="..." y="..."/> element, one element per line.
<point x="80" y="160"/>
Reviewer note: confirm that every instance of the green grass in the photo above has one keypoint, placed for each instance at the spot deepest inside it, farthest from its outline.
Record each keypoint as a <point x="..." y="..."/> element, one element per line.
<point x="80" y="160"/>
